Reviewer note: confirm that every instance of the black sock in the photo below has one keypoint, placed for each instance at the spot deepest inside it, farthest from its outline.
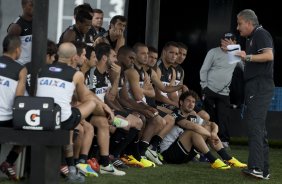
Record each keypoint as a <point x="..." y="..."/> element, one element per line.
<point x="210" y="157"/>
<point x="155" y="142"/>
<point x="116" y="139"/>
<point x="134" y="145"/>
<point x="133" y="148"/>
<point x="133" y="132"/>
<point x="12" y="157"/>
<point x="82" y="158"/>
<point x="63" y="161"/>
<point x="143" y="145"/>
<point x="135" y="151"/>
<point x="223" y="154"/>
<point x="75" y="134"/>
<point x="104" y="160"/>
<point x="70" y="161"/>
<point x="94" y="149"/>
<point x="192" y="154"/>
<point x="76" y="161"/>
<point x="132" y="135"/>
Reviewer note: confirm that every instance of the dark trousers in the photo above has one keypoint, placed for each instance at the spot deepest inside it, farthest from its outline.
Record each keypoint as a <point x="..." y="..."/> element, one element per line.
<point x="258" y="94"/>
<point x="218" y="107"/>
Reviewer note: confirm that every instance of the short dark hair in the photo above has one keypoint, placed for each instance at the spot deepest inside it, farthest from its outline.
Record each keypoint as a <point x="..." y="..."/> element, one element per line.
<point x="182" y="45"/>
<point x="185" y="94"/>
<point x="24" y="2"/>
<point x="85" y="6"/>
<point x="82" y="15"/>
<point x="79" y="47"/>
<point x="102" y="49"/>
<point x="89" y="50"/>
<point x="51" y="47"/>
<point x="170" y="43"/>
<point x="11" y="43"/>
<point x="137" y="45"/>
<point x="152" y="49"/>
<point x="124" y="50"/>
<point x="118" y="17"/>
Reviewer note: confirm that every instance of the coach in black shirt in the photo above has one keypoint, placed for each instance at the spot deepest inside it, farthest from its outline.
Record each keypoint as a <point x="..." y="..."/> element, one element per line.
<point x="259" y="86"/>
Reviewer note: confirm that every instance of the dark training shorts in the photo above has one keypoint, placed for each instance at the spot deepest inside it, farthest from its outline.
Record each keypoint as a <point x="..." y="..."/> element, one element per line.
<point x="73" y="120"/>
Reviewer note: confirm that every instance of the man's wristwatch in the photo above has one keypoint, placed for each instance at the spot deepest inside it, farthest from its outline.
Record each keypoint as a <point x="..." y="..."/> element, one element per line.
<point x="248" y="58"/>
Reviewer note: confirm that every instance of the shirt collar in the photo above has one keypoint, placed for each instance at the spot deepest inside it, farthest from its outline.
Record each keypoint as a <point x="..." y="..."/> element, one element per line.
<point x="253" y="32"/>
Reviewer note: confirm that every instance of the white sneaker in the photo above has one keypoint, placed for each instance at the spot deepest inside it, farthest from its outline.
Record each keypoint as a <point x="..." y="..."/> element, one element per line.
<point x="153" y="156"/>
<point x="110" y="169"/>
<point x="266" y="177"/>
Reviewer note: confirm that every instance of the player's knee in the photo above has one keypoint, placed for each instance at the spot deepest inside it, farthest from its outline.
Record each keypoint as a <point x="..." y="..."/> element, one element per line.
<point x="89" y="129"/>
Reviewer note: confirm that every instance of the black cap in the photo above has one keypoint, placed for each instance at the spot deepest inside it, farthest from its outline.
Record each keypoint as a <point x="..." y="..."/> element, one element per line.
<point x="229" y="36"/>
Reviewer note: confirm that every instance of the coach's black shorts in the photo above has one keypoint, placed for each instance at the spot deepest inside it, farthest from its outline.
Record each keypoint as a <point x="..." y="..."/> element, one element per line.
<point x="73" y="120"/>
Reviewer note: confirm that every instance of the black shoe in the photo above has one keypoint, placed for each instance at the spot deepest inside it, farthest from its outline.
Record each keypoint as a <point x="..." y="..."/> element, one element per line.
<point x="119" y="163"/>
<point x="257" y="173"/>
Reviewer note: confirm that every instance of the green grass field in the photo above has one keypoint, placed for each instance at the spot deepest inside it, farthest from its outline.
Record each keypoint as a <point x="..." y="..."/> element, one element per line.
<point x="193" y="172"/>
